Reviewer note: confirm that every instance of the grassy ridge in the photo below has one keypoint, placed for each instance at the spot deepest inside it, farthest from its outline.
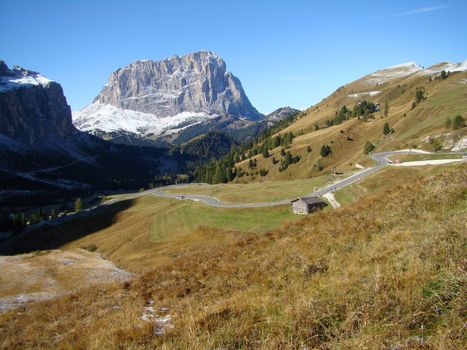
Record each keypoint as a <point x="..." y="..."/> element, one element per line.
<point x="386" y="272"/>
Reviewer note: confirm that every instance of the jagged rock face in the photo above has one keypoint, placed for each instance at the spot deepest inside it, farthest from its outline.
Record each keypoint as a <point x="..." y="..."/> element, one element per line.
<point x="149" y="97"/>
<point x="32" y="108"/>
<point x="198" y="82"/>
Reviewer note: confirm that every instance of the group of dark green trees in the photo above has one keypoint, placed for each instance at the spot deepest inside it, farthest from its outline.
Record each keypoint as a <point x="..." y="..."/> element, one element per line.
<point x="21" y="220"/>
<point x="17" y="221"/>
<point x="457" y="123"/>
<point x="364" y="109"/>
<point x="287" y="159"/>
<point x="222" y="169"/>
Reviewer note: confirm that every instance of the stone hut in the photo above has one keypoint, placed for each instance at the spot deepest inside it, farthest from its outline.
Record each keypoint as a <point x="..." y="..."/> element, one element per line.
<point x="307" y="205"/>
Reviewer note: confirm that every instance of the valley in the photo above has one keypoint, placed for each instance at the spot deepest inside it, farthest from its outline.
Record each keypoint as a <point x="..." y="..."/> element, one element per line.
<point x="232" y="272"/>
<point x="167" y="209"/>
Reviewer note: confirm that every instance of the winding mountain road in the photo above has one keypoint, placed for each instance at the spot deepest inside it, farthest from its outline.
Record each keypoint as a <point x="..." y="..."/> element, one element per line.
<point x="381" y="159"/>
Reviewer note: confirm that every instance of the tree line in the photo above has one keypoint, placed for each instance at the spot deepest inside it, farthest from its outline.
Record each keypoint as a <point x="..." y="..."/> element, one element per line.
<point x="222" y="169"/>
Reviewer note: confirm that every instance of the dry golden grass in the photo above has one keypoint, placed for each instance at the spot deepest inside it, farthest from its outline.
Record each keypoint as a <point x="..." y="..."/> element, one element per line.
<point x="387" y="272"/>
<point x="445" y="98"/>
<point x="134" y="233"/>
<point x="388" y="177"/>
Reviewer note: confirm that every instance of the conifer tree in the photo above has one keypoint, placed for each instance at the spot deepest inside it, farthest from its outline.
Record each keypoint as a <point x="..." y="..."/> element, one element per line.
<point x="386" y="129"/>
<point x="459" y="122"/>
<point x="368" y="147"/>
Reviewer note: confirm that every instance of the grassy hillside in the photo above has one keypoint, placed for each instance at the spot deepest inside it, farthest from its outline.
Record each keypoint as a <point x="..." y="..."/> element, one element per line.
<point x="132" y="232"/>
<point x="256" y="191"/>
<point x="385" y="272"/>
<point x="377" y="184"/>
<point x="422" y="126"/>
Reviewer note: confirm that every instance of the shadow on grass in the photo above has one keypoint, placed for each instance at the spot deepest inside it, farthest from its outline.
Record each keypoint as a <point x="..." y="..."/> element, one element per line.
<point x="53" y="237"/>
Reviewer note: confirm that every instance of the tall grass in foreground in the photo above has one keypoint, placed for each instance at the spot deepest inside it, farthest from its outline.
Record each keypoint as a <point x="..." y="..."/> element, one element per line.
<point x="388" y="272"/>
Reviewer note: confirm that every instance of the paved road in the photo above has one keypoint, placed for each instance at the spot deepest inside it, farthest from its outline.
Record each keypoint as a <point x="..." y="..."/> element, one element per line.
<point x="381" y="162"/>
<point x="380" y="158"/>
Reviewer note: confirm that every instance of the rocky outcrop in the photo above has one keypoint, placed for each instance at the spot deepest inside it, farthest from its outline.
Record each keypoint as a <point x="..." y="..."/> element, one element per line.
<point x="43" y="156"/>
<point x="32" y="108"/>
<point x="156" y="97"/>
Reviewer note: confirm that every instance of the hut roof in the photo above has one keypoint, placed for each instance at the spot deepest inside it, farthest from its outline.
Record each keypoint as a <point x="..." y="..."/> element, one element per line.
<point x="309" y="200"/>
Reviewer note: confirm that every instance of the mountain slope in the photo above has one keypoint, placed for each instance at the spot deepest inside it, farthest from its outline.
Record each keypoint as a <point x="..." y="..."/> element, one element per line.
<point x="155" y="99"/>
<point x="42" y="155"/>
<point x="426" y="124"/>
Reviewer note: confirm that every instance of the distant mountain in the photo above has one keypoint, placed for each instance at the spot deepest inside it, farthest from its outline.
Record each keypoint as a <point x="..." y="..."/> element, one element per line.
<point x="32" y="107"/>
<point x="162" y="99"/>
<point x="418" y="105"/>
<point x="281" y="113"/>
<point x="43" y="154"/>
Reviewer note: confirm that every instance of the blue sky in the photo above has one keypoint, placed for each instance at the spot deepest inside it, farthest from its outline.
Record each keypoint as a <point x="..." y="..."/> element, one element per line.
<point x="285" y="52"/>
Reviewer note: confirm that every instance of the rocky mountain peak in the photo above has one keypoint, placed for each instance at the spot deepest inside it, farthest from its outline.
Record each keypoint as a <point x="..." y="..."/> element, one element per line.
<point x="32" y="107"/>
<point x="162" y="95"/>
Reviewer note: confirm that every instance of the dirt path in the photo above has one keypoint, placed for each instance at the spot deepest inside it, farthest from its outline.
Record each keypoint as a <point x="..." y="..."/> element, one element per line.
<point x="332" y="200"/>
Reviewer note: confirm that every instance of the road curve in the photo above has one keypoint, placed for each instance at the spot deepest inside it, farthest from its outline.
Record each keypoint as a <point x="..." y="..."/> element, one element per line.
<point x="381" y="162"/>
<point x="380" y="158"/>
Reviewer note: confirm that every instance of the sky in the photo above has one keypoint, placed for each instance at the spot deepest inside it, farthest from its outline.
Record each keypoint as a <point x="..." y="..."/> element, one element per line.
<point x="285" y="52"/>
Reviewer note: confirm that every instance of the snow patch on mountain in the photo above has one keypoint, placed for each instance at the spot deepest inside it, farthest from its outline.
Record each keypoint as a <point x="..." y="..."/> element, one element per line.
<point x="19" y="77"/>
<point x="108" y="118"/>
<point x="159" y="98"/>
<point x="447" y="66"/>
<point x="393" y="72"/>
<point x="361" y="94"/>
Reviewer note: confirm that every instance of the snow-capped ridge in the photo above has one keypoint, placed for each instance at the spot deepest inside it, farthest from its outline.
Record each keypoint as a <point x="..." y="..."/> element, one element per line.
<point x="20" y="77"/>
<point x="407" y="65"/>
<point x="446" y="66"/>
<point x="393" y="72"/>
<point x="108" y="118"/>
<point x="403" y="70"/>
